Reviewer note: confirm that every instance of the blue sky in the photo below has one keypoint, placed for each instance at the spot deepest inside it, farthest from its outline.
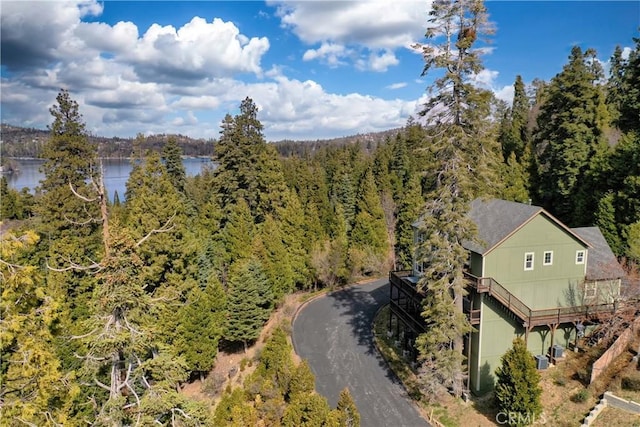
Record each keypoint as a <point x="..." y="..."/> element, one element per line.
<point x="316" y="69"/>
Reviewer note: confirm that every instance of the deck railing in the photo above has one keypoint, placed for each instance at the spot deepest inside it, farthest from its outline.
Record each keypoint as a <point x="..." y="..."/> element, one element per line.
<point x="531" y="317"/>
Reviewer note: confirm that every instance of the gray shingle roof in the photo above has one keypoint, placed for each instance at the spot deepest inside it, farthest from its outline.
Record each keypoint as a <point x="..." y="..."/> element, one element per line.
<point x="601" y="262"/>
<point x="497" y="219"/>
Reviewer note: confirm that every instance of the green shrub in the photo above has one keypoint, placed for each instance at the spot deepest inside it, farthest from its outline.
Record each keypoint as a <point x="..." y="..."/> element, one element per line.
<point x="559" y="378"/>
<point x="243" y="364"/>
<point x="517" y="387"/>
<point x="581" y="396"/>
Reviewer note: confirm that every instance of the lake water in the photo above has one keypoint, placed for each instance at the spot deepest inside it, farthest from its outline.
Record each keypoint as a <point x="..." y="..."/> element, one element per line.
<point x="116" y="173"/>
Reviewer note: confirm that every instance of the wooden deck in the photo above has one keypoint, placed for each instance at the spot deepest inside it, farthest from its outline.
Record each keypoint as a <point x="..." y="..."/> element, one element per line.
<point x="527" y="316"/>
<point x="530" y="317"/>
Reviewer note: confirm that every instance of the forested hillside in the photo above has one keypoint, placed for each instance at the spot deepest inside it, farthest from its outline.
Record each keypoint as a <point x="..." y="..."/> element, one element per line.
<point x="108" y="308"/>
<point x="28" y="142"/>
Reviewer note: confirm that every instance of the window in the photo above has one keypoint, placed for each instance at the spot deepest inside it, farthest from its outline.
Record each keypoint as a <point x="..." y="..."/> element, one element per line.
<point x="580" y="257"/>
<point x="528" y="261"/>
<point x="419" y="267"/>
<point x="548" y="258"/>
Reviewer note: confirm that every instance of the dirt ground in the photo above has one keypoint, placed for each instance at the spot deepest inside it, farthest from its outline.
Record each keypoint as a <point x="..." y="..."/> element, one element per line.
<point x="229" y="362"/>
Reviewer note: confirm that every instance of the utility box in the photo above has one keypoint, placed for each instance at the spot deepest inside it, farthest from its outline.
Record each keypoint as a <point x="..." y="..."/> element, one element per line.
<point x="557" y="351"/>
<point x="542" y="362"/>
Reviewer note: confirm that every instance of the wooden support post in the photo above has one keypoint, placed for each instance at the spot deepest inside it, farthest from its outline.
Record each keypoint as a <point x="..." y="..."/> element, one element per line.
<point x="553" y="328"/>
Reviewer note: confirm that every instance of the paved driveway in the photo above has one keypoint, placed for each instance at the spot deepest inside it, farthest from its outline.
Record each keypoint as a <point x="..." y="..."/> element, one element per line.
<point x="334" y="334"/>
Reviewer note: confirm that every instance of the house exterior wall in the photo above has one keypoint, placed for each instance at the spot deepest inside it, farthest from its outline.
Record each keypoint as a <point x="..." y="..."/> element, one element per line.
<point x="543" y="286"/>
<point x="496" y="332"/>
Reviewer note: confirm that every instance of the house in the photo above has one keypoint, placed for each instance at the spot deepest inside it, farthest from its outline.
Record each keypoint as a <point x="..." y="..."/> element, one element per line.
<point x="528" y="275"/>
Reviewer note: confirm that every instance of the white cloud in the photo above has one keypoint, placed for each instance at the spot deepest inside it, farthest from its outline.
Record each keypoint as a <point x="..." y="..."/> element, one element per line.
<point x="395" y="86"/>
<point x="373" y="24"/>
<point x="366" y="31"/>
<point x="185" y="78"/>
<point x="197" y="50"/>
<point x="382" y="61"/>
<point x="505" y="93"/>
<point x="331" y="53"/>
<point x="485" y="78"/>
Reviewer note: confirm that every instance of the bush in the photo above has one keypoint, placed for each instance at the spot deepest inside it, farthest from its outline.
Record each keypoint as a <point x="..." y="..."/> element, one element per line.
<point x="212" y="385"/>
<point x="631" y="381"/>
<point x="244" y="363"/>
<point x="517" y="387"/>
<point x="559" y="378"/>
<point x="581" y="396"/>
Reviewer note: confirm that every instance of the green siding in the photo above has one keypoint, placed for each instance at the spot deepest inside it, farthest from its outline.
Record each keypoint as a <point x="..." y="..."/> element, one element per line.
<point x="546" y="286"/>
<point x="497" y="331"/>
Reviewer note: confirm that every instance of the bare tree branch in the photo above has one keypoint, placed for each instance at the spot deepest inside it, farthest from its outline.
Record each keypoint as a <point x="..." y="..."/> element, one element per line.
<point x="80" y="196"/>
<point x="165" y="228"/>
<point x="94" y="267"/>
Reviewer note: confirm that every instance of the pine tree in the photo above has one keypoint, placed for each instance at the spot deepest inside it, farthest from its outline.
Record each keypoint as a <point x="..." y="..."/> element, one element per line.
<point x="369" y="229"/>
<point x="629" y="109"/>
<point x="519" y="118"/>
<point x="247" y="167"/>
<point x="633" y="239"/>
<point x="71" y="214"/>
<point x="515" y="180"/>
<point x="349" y="415"/>
<point x="32" y="383"/>
<point x="309" y="410"/>
<point x="569" y="136"/>
<point x="461" y="144"/>
<point x="201" y="326"/>
<point x="238" y="232"/>
<point x="517" y="388"/>
<point x="124" y="357"/>
<point x="303" y="380"/>
<point x="234" y="411"/>
<point x="10" y="207"/>
<point x="620" y="206"/>
<point x="270" y="248"/>
<point x="152" y="203"/>
<point x="172" y="156"/>
<point x="69" y="222"/>
<point x="276" y="364"/>
<point x="249" y="301"/>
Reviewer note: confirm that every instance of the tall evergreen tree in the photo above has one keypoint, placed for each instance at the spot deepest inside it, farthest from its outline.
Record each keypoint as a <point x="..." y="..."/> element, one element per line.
<point x="32" y="383"/>
<point x="249" y="301"/>
<point x="629" y="119"/>
<point x="570" y="134"/>
<point x="515" y="137"/>
<point x="172" y="156"/>
<point x="201" y="326"/>
<point x="71" y="213"/>
<point x="461" y="144"/>
<point x="514" y="177"/>
<point x="247" y="167"/>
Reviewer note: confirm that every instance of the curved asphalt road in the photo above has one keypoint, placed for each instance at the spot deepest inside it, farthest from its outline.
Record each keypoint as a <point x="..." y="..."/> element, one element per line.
<point x="334" y="334"/>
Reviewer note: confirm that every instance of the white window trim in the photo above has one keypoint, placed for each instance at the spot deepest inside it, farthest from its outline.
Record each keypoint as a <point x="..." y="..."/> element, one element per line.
<point x="544" y="258"/>
<point x="532" y="261"/>
<point x="584" y="254"/>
